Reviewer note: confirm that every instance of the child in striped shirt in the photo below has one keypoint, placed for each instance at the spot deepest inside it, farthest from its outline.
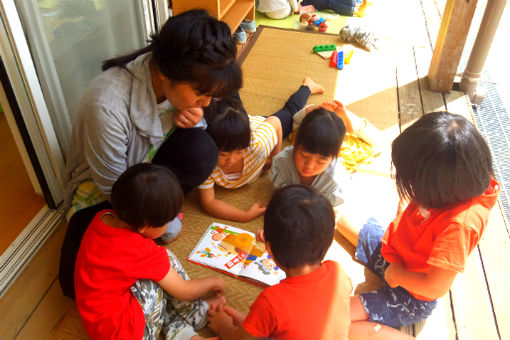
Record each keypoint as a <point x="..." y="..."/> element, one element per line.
<point x="246" y="144"/>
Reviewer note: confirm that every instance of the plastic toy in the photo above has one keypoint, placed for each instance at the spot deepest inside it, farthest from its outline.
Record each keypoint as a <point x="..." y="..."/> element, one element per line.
<point x="340" y="60"/>
<point x="347" y="56"/>
<point x="333" y="59"/>
<point x="323" y="48"/>
<point x="323" y="27"/>
<point x="324" y="51"/>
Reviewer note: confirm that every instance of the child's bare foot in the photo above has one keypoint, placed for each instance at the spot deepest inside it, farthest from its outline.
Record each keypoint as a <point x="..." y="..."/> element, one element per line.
<point x="313" y="86"/>
<point x="215" y="301"/>
<point x="360" y="11"/>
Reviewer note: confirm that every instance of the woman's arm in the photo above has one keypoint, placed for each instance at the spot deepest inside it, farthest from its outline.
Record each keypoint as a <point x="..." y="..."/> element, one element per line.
<point x="221" y="209"/>
<point x="189" y="290"/>
<point x="433" y="284"/>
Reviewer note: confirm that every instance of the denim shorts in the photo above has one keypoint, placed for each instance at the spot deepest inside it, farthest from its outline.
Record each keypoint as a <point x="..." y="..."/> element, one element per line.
<point x="394" y="307"/>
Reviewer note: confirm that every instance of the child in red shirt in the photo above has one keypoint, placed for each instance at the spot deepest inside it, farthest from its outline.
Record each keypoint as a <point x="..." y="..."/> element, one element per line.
<point x="128" y="287"/>
<point x="443" y="167"/>
<point x="313" y="301"/>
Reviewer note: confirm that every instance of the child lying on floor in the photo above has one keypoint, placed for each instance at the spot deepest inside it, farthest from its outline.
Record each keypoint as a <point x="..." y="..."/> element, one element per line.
<point x="246" y="143"/>
<point x="127" y="287"/>
<point x="313" y="301"/>
<point x="313" y="159"/>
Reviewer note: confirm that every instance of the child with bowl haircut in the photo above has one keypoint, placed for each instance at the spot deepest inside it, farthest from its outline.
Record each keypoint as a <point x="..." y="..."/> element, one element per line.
<point x="128" y="287"/>
<point x="313" y="301"/>
<point x="313" y="159"/>
<point x="443" y="168"/>
<point x="246" y="144"/>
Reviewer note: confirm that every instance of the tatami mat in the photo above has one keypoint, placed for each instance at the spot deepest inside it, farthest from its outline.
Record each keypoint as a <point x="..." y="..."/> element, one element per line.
<point x="274" y="67"/>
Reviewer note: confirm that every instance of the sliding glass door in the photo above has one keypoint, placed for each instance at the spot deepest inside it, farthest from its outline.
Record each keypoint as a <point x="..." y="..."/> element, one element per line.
<point x="51" y="49"/>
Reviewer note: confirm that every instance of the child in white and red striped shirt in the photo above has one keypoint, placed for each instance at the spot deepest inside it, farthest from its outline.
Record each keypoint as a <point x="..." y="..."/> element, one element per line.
<point x="246" y="144"/>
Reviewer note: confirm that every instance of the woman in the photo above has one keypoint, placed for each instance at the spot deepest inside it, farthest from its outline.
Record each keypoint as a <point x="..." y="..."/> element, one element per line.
<point x="146" y="106"/>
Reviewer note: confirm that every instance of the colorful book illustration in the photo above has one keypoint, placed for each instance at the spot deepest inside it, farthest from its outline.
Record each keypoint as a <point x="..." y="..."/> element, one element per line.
<point x="235" y="252"/>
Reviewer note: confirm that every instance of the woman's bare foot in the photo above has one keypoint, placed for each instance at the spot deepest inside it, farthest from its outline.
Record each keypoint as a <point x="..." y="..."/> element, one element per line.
<point x="360" y="10"/>
<point x="313" y="86"/>
<point x="215" y="301"/>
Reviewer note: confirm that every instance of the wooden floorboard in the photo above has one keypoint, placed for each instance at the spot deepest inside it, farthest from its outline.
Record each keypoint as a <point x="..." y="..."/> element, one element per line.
<point x="31" y="287"/>
<point x="494" y="251"/>
<point x="409" y="99"/>
<point x="18" y="201"/>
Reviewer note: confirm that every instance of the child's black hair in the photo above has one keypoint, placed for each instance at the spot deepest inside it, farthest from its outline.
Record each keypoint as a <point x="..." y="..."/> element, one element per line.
<point x="321" y="132"/>
<point x="146" y="195"/>
<point x="299" y="224"/>
<point x="193" y="47"/>
<point x="228" y="124"/>
<point x="440" y="160"/>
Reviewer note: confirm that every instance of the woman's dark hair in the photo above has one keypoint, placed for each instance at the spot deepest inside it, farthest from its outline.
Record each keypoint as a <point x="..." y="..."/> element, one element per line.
<point x="299" y="224"/>
<point x="228" y="124"/>
<point x="147" y="195"/>
<point x="195" y="48"/>
<point x="440" y="160"/>
<point x="321" y="132"/>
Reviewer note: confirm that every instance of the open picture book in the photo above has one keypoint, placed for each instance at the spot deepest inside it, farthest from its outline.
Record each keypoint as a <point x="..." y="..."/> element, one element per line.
<point x="235" y="252"/>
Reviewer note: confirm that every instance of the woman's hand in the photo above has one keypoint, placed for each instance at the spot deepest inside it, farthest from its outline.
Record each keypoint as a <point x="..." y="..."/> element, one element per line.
<point x="188" y="118"/>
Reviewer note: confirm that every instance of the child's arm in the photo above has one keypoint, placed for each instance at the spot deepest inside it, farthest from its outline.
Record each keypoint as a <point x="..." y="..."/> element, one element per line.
<point x="221" y="209"/>
<point x="189" y="290"/>
<point x="433" y="284"/>
<point x="228" y="323"/>
<point x="354" y="124"/>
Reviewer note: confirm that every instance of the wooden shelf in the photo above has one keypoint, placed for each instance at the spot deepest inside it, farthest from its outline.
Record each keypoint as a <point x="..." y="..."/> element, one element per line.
<point x="232" y="12"/>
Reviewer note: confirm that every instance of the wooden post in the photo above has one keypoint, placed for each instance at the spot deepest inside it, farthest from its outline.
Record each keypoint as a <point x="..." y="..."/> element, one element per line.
<point x="450" y="43"/>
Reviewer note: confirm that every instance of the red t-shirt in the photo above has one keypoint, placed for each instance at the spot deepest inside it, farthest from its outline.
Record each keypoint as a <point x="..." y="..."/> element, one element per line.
<point x="312" y="306"/>
<point x="109" y="262"/>
<point x="442" y="238"/>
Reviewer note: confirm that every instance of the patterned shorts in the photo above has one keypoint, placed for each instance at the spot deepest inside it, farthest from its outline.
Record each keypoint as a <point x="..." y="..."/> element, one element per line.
<point x="394" y="307"/>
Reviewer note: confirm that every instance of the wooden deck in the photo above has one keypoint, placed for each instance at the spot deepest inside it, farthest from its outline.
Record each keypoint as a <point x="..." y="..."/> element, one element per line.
<point x="478" y="305"/>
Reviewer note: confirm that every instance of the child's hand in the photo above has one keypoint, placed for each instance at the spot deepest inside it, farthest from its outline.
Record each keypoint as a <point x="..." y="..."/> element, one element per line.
<point x="188" y="118"/>
<point x="218" y="319"/>
<point x="255" y="210"/>
<point x="217" y="285"/>
<point x="237" y="316"/>
<point x="259" y="236"/>
<point x="335" y="106"/>
<point x="393" y="274"/>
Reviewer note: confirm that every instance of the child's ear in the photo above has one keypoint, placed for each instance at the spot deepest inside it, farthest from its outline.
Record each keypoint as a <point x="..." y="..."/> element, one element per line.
<point x="142" y="230"/>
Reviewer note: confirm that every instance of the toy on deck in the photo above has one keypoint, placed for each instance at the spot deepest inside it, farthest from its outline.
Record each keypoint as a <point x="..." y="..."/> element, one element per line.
<point x="360" y="35"/>
<point x="343" y="7"/>
<point x="313" y="22"/>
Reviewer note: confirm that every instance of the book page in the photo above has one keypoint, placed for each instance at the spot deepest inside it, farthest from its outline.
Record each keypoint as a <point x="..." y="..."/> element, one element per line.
<point x="262" y="268"/>
<point x="224" y="248"/>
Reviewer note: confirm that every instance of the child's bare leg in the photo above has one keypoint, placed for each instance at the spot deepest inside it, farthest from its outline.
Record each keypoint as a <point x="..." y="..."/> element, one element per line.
<point x="313" y="86"/>
<point x="372" y="330"/>
<point x="348" y="230"/>
<point x="361" y="328"/>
